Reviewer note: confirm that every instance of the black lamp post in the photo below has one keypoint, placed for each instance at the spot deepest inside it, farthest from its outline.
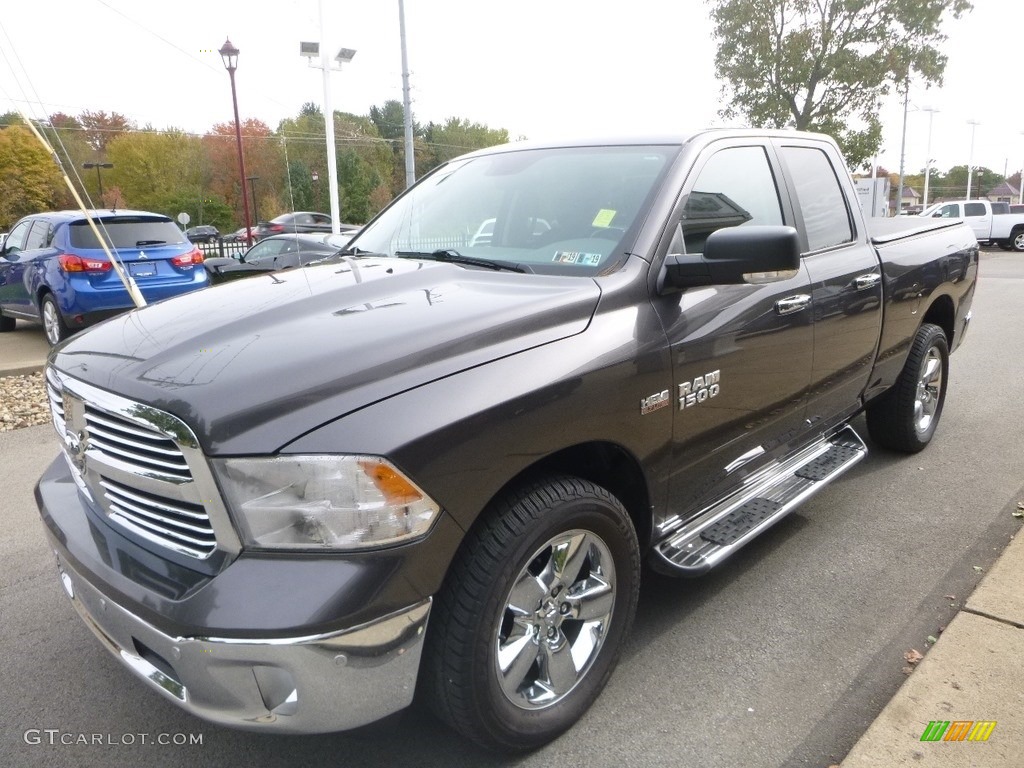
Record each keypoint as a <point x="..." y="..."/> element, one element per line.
<point x="229" y="54"/>
<point x="99" y="180"/>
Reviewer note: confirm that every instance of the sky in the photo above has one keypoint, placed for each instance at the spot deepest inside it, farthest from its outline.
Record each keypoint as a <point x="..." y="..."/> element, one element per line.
<point x="541" y="69"/>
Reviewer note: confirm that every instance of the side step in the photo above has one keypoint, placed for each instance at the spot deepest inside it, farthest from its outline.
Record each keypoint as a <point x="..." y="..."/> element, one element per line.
<point x="696" y="547"/>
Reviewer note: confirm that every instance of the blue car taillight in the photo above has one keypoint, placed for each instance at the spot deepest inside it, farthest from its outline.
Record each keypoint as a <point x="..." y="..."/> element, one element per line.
<point x="72" y="262"/>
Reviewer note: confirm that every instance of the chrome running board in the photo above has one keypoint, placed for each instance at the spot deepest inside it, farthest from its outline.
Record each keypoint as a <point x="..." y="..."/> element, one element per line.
<point x="692" y="549"/>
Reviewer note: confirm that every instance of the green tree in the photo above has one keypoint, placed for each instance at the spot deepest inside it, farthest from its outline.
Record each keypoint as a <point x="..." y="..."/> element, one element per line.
<point x="826" y="65"/>
<point x="151" y="168"/>
<point x="456" y="136"/>
<point x="952" y="184"/>
<point x="30" y="181"/>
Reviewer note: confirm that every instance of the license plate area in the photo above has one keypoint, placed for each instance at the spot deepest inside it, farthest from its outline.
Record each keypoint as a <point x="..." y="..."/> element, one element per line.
<point x="142" y="269"/>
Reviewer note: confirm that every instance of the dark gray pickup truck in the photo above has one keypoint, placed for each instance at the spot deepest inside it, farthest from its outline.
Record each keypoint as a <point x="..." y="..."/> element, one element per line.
<point x="434" y="467"/>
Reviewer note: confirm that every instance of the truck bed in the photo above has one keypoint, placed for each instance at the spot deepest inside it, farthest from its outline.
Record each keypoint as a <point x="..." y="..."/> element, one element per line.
<point x="885" y="231"/>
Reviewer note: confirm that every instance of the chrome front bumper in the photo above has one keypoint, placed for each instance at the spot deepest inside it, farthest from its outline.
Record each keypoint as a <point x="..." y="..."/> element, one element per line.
<point x="309" y="684"/>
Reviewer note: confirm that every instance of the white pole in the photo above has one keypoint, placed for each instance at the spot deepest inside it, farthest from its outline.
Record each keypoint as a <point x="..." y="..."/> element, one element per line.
<point x="332" y="155"/>
<point x="970" y="158"/>
<point x="928" y="155"/>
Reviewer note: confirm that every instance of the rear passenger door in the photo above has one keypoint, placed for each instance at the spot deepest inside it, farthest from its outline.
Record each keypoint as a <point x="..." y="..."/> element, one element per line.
<point x="979" y="217"/>
<point x="846" y="279"/>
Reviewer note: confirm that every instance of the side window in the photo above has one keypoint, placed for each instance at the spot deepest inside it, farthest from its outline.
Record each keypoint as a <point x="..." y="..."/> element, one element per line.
<point x="974" y="209"/>
<point x="734" y="187"/>
<point x="950" y="212"/>
<point x="16" y="240"/>
<point x="826" y="216"/>
<point x="38" y="236"/>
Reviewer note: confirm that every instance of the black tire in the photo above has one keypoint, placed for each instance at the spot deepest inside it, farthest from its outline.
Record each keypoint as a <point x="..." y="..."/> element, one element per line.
<point x="1017" y="240"/>
<point x="478" y="614"/>
<point x="1004" y="245"/>
<point x="904" y="418"/>
<point x="7" y="323"/>
<point x="54" y="327"/>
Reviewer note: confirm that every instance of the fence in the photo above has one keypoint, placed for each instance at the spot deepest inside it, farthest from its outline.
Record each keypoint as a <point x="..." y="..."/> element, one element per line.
<point x="221" y="248"/>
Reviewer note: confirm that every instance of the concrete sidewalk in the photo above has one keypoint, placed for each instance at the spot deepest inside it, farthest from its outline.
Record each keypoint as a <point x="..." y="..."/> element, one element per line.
<point x="23" y="350"/>
<point x="975" y="672"/>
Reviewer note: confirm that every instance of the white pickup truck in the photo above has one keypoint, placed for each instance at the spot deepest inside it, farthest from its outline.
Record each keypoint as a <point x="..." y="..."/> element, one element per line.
<point x="991" y="222"/>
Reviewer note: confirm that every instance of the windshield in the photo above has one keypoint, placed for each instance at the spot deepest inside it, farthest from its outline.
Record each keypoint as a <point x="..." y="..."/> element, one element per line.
<point x="556" y="211"/>
<point x="126" y="232"/>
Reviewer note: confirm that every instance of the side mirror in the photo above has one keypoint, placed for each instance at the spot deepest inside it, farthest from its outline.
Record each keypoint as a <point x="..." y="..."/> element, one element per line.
<point x="731" y="253"/>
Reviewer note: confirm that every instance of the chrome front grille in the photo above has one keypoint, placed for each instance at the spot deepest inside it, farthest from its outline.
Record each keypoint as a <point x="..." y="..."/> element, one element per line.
<point x="178" y="525"/>
<point x="144" y="449"/>
<point x="56" y="398"/>
<point x="142" y="467"/>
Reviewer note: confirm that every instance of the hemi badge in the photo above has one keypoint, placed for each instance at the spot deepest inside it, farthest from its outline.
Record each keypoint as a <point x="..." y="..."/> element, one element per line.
<point x="654" y="402"/>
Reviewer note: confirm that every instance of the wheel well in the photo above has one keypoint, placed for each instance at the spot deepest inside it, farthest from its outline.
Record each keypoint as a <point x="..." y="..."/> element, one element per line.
<point x="942" y="314"/>
<point x="607" y="465"/>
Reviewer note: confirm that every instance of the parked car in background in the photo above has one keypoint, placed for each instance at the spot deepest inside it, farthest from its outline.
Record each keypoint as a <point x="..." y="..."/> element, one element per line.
<point x="54" y="270"/>
<point x="302" y="221"/>
<point x="202" y="234"/>
<point x="238" y="236"/>
<point x="275" y="253"/>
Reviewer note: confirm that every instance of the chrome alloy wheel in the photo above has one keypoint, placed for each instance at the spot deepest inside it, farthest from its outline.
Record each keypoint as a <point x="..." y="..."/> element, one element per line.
<point x="929" y="391"/>
<point x="555" y="620"/>
<point x="51" y="322"/>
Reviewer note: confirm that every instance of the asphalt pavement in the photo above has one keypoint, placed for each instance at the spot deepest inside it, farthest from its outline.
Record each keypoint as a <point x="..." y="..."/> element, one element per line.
<point x="970" y="683"/>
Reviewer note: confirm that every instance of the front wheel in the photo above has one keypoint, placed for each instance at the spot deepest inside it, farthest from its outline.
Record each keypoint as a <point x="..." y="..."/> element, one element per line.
<point x="904" y="418"/>
<point x="533" y="615"/>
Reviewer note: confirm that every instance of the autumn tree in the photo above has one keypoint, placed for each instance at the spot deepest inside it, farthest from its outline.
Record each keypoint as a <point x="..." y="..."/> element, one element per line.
<point x="30" y="181"/>
<point x="101" y="128"/>
<point x="826" y="65"/>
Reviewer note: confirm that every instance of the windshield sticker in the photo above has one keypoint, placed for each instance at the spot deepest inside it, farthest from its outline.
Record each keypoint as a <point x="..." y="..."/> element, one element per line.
<point x="577" y="257"/>
<point x="604" y="218"/>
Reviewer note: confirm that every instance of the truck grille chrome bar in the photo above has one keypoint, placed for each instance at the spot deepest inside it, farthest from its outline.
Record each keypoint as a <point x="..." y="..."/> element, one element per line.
<point x="142" y="467"/>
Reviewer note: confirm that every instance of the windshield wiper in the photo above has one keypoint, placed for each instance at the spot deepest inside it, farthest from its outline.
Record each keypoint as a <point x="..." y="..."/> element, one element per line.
<point x="140" y="243"/>
<point x="357" y="251"/>
<point x="452" y="256"/>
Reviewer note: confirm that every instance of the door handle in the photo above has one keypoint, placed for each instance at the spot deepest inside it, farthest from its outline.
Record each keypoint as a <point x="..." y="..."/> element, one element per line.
<point x="792" y="304"/>
<point x="867" y="281"/>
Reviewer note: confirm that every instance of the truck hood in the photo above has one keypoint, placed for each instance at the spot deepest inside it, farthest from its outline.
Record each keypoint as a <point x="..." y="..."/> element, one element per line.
<point x="254" y="364"/>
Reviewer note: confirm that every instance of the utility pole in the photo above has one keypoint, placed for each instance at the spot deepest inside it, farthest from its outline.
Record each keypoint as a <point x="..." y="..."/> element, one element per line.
<point x="410" y="162"/>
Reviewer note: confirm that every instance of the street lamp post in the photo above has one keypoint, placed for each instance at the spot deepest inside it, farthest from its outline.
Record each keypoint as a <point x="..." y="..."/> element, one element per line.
<point x="229" y="54"/>
<point x="928" y="154"/>
<point x="970" y="158"/>
<point x="319" y="50"/>
<point x="99" y="179"/>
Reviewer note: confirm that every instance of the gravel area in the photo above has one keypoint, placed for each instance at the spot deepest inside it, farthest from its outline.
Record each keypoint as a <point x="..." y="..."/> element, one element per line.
<point x="23" y="402"/>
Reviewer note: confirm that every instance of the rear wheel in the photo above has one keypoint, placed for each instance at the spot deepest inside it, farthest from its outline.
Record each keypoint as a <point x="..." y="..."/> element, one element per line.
<point x="53" y="322"/>
<point x="904" y="418"/>
<point x="533" y="615"/>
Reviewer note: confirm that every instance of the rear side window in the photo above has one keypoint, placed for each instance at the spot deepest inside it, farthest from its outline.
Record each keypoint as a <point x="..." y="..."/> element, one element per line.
<point x="40" y="236"/>
<point x="735" y="186"/>
<point x="974" y="209"/>
<point x="820" y="197"/>
<point x="126" y="232"/>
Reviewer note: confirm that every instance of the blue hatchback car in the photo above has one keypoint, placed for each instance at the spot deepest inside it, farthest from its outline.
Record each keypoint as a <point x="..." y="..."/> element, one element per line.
<point x="53" y="269"/>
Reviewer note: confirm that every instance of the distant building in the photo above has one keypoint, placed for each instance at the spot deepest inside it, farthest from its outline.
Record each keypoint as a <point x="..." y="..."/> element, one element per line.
<point x="1004" y="193"/>
<point x="909" y="201"/>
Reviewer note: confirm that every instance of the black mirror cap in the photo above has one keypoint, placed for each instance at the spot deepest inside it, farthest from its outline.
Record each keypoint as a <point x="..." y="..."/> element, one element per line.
<point x="732" y="252"/>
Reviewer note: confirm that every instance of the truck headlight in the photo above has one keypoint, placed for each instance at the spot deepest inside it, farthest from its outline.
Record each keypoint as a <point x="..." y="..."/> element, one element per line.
<point x="333" y="502"/>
